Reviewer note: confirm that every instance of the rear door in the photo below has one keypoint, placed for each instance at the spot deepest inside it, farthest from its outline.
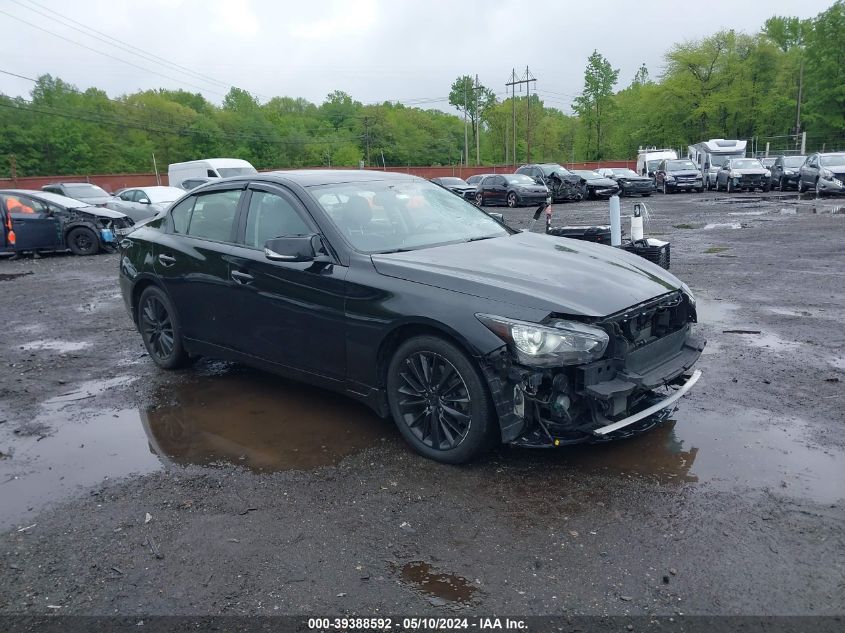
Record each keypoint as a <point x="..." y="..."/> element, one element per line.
<point x="34" y="223"/>
<point x="192" y="260"/>
<point x="288" y="313"/>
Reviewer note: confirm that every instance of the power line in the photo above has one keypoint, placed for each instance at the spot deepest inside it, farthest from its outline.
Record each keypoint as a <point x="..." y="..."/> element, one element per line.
<point x="99" y="52"/>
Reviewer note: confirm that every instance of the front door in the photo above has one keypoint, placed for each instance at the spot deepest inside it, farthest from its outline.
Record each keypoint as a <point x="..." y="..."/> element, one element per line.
<point x="34" y="223"/>
<point x="291" y="313"/>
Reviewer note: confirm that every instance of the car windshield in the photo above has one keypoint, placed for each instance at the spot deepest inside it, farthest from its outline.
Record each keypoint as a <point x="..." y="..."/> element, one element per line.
<point x="163" y="194"/>
<point x="746" y="163"/>
<point x="64" y="201"/>
<point x="794" y="161"/>
<point x="86" y="191"/>
<point x="652" y="164"/>
<point x="390" y="216"/>
<point x="586" y="174"/>
<point x="719" y="159"/>
<point x="226" y="172"/>
<point x="519" y="179"/>
<point x="452" y="182"/>
<point x="832" y="159"/>
<point x="677" y="165"/>
<point x="629" y="173"/>
<point x="548" y="170"/>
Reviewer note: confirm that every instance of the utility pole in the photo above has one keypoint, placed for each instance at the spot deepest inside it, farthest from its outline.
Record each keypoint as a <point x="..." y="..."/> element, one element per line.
<point x="513" y="83"/>
<point x="466" y="134"/>
<point x="13" y="163"/>
<point x="477" y="125"/>
<point x="528" y="79"/>
<point x="367" y="135"/>
<point x="800" y="95"/>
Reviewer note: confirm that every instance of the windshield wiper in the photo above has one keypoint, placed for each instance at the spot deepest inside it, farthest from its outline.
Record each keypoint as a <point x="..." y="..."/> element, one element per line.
<point x="482" y="237"/>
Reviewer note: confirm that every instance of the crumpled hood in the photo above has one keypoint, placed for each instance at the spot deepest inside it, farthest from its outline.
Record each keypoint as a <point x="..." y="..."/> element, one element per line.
<point x="101" y="212"/>
<point x="750" y="171"/>
<point x="535" y="271"/>
<point x="684" y="172"/>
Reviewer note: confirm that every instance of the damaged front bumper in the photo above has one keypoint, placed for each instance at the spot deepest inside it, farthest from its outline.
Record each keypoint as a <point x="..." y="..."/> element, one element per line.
<point x="630" y="390"/>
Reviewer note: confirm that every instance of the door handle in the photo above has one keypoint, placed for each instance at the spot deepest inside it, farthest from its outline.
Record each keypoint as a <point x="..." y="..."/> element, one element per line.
<point x="166" y="260"/>
<point x="242" y="278"/>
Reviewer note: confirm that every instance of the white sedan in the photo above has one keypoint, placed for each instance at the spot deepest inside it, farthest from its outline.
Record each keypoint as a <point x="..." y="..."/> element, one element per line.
<point x="140" y="203"/>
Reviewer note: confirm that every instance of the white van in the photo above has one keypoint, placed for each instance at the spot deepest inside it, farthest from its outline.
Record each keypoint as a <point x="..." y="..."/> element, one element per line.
<point x="709" y="156"/>
<point x="177" y="173"/>
<point x="648" y="157"/>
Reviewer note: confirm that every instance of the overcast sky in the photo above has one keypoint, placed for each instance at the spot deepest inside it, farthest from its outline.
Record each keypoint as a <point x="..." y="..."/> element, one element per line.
<point x="393" y="50"/>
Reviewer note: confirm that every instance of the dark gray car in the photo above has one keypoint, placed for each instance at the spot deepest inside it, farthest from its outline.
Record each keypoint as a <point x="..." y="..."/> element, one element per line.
<point x="823" y="172"/>
<point x="737" y="174"/>
<point x="785" y="171"/>
<point x="82" y="191"/>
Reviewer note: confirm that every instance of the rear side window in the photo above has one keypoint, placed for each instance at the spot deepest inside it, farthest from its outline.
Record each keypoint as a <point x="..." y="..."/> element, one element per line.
<point x="181" y="215"/>
<point x="214" y="215"/>
<point x="270" y="216"/>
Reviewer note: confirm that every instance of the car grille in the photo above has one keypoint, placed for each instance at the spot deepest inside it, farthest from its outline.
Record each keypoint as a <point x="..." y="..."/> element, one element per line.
<point x="643" y="324"/>
<point x="751" y="180"/>
<point x="686" y="179"/>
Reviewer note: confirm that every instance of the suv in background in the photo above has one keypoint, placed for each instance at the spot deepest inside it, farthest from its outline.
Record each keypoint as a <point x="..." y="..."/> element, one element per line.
<point x="82" y="191"/>
<point x="676" y="175"/>
<point x="823" y="172"/>
<point x="562" y="183"/>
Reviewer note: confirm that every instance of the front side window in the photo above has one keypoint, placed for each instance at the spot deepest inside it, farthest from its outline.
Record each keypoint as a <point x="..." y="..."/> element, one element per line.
<point x="22" y="204"/>
<point x="181" y="215"/>
<point x="271" y="216"/>
<point x="832" y="160"/>
<point x="214" y="215"/>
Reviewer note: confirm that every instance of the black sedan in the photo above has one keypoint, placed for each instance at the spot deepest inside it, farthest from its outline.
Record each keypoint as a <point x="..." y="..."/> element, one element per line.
<point x="630" y="182"/>
<point x="595" y="185"/>
<point x="823" y="172"/>
<point x="458" y="186"/>
<point x="389" y="289"/>
<point x="514" y="190"/>
<point x="41" y="221"/>
<point x="786" y="171"/>
<point x="678" y="175"/>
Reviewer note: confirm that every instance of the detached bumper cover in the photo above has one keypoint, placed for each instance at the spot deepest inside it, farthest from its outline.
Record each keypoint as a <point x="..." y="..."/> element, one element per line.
<point x="615" y="426"/>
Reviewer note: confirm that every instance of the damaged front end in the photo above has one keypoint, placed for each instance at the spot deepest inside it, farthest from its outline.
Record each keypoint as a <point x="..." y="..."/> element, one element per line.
<point x="564" y="186"/>
<point x="631" y="368"/>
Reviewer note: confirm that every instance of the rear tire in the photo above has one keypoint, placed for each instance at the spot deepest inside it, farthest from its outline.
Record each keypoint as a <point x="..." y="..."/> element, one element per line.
<point x="83" y="241"/>
<point x="439" y="401"/>
<point x="160" y="330"/>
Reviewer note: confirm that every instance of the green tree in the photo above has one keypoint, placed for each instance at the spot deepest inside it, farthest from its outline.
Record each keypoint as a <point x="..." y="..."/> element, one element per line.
<point x="594" y="104"/>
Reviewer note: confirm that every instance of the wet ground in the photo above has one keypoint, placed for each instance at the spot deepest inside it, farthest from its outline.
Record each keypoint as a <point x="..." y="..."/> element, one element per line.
<point x="221" y="489"/>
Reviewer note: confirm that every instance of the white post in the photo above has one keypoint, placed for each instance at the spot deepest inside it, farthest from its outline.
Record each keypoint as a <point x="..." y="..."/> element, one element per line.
<point x="767" y="149"/>
<point x="615" y="222"/>
<point x="803" y="143"/>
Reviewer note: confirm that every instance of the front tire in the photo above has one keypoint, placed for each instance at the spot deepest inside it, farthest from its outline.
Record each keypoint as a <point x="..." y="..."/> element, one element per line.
<point x="802" y="188"/>
<point x="479" y="199"/>
<point x="666" y="190"/>
<point x="83" y="241"/>
<point x="160" y="330"/>
<point x="439" y="401"/>
<point x="728" y="186"/>
<point x="513" y="201"/>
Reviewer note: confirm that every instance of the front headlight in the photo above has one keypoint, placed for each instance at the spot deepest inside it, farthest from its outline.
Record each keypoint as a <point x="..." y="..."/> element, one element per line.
<point x="768" y="174"/>
<point x="735" y="174"/>
<point x="670" y="177"/>
<point x="788" y="172"/>
<point x="686" y="290"/>
<point x="826" y="174"/>
<point x="558" y="343"/>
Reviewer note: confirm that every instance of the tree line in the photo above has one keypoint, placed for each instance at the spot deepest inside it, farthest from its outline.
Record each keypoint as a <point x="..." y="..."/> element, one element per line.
<point x="788" y="78"/>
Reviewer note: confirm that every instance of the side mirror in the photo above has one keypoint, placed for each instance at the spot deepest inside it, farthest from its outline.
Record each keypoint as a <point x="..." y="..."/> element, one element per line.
<point x="297" y="248"/>
<point x="144" y="201"/>
<point x="539" y="181"/>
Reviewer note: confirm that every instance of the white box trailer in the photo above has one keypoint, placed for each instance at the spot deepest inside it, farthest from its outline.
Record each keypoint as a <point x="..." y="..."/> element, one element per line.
<point x="177" y="173"/>
<point x="648" y="157"/>
<point x="709" y="156"/>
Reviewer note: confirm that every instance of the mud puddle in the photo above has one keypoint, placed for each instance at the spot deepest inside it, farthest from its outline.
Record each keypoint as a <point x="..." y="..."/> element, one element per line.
<point x="743" y="450"/>
<point x="442" y="587"/>
<point x="53" y="345"/>
<point x="11" y="276"/>
<point x="246" y="418"/>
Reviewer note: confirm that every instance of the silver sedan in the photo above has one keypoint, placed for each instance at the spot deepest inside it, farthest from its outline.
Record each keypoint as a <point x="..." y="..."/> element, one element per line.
<point x="140" y="203"/>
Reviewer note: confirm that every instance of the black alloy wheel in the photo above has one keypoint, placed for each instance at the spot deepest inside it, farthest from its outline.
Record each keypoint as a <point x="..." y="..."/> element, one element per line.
<point x="438" y="400"/>
<point x="159" y="328"/>
<point x="479" y="199"/>
<point x="83" y="241"/>
<point x="512" y="200"/>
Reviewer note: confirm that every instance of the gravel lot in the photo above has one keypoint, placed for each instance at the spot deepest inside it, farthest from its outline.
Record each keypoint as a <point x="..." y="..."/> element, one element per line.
<point x="221" y="490"/>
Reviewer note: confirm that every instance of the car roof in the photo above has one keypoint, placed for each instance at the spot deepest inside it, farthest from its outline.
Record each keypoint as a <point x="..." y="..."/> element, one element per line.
<point x="317" y="177"/>
<point x="48" y="196"/>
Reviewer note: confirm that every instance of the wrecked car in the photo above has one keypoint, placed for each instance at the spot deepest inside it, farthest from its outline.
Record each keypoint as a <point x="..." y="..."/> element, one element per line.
<point x="398" y="293"/>
<point x="43" y="221"/>
<point x="630" y="182"/>
<point x="737" y="174"/>
<point x="562" y="183"/>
